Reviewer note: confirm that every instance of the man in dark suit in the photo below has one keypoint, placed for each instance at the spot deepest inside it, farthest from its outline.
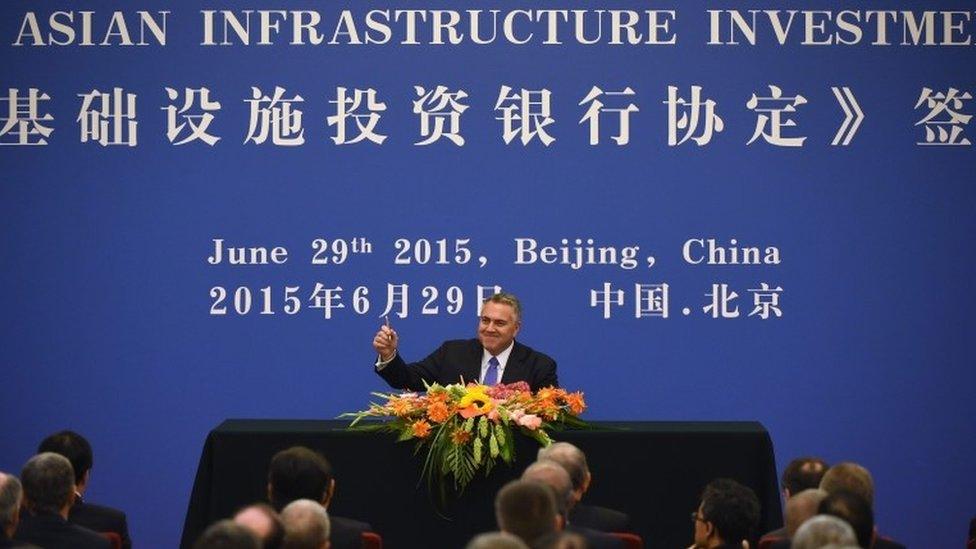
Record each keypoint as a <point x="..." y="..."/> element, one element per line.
<point x="556" y="478"/>
<point x="803" y="473"/>
<point x="494" y="357"/>
<point x="301" y="473"/>
<point x="49" y="491"/>
<point x="854" y="479"/>
<point x="596" y="517"/>
<point x="94" y="517"/>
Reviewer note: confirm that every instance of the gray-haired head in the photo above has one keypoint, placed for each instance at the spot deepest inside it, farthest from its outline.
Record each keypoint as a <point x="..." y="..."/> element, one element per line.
<point x="570" y="458"/>
<point x="49" y="482"/>
<point x="11" y="495"/>
<point x="226" y="534"/>
<point x="823" y="530"/>
<point x="496" y="540"/>
<point x="801" y="507"/>
<point x="306" y="523"/>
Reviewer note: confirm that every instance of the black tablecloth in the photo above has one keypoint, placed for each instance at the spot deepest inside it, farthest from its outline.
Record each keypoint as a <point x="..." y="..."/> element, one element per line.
<point x="654" y="471"/>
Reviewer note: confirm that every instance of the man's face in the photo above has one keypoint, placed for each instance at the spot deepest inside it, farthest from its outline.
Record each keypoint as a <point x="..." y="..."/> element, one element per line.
<point x="497" y="327"/>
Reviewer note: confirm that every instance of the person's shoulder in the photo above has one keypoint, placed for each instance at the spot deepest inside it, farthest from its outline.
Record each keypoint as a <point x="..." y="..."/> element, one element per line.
<point x="351" y="524"/>
<point x="85" y="508"/>
<point x="524" y="352"/>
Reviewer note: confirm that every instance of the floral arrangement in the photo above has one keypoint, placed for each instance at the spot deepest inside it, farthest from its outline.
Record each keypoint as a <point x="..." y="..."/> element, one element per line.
<point x="467" y="428"/>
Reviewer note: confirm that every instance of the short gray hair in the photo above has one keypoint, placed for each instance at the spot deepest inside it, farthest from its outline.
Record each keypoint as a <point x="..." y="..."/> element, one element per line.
<point x="570" y="458"/>
<point x="496" y="540"/>
<point x="823" y="530"/>
<point x="49" y="482"/>
<point x="306" y="524"/>
<point x="505" y="298"/>
<point x="11" y="494"/>
<point x="555" y="477"/>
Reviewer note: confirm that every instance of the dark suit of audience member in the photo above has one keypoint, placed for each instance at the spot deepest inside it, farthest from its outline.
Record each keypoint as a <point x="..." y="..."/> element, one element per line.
<point x="301" y="473"/>
<point x="94" y="517"/>
<point x="49" y="491"/>
<point x="599" y="518"/>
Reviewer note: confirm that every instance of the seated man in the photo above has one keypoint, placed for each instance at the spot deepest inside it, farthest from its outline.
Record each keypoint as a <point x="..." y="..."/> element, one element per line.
<point x="94" y="517"/>
<point x="823" y="530"/>
<point x="556" y="478"/>
<point x="495" y="357"/>
<point x="573" y="460"/>
<point x="856" y="479"/>
<point x="226" y="534"/>
<point x="727" y="515"/>
<point x="527" y="510"/>
<point x="300" y="473"/>
<point x="803" y="473"/>
<point x="857" y="512"/>
<point x="11" y="497"/>
<point x="261" y="519"/>
<point x="49" y="492"/>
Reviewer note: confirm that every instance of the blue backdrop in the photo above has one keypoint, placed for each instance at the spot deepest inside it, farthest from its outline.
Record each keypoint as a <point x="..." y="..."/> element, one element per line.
<point x="110" y="326"/>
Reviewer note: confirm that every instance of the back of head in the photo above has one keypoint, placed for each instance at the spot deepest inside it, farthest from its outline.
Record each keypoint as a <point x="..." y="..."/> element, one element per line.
<point x="570" y="458"/>
<point x="803" y="473"/>
<point x="298" y="473"/>
<point x="555" y="477"/>
<point x="72" y="446"/>
<point x="264" y="522"/>
<point x="225" y="534"/>
<point x="496" y="540"/>
<point x="306" y="525"/>
<point x="853" y="509"/>
<point x="526" y="509"/>
<point x="823" y="530"/>
<point x="801" y="507"/>
<point x="11" y="495"/>
<point x="732" y="508"/>
<point x="49" y="482"/>
<point x="849" y="477"/>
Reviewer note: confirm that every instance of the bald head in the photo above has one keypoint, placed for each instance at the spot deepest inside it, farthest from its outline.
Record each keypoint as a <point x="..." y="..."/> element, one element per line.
<point x="264" y="522"/>
<point x="801" y="507"/>
<point x="555" y="477"/>
<point x="306" y="525"/>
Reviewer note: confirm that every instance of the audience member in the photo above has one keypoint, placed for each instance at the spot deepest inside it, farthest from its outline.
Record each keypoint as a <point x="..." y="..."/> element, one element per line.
<point x="823" y="530"/>
<point x="850" y="477"/>
<point x="225" y="534"/>
<point x="49" y="490"/>
<point x="94" y="517"/>
<point x="573" y="460"/>
<point x="527" y="510"/>
<point x="11" y="497"/>
<point x="854" y="478"/>
<point x="803" y="473"/>
<point x="306" y="525"/>
<point x="801" y="507"/>
<point x="261" y="519"/>
<point x="301" y="473"/>
<point x="555" y="477"/>
<point x="496" y="540"/>
<point x="853" y="508"/>
<point x="727" y="515"/>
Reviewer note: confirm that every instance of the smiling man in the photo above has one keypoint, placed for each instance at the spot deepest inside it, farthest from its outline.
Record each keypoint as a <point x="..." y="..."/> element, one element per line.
<point x="494" y="357"/>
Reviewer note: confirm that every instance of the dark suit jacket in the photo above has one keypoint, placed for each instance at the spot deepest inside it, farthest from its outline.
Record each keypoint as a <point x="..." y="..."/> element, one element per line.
<point x="53" y="532"/>
<point x="100" y="519"/>
<point x="599" y="518"/>
<point x="347" y="533"/>
<point x="462" y="358"/>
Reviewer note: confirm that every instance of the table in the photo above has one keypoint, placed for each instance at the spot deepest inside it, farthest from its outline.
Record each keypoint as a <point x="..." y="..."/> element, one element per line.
<point x="654" y="471"/>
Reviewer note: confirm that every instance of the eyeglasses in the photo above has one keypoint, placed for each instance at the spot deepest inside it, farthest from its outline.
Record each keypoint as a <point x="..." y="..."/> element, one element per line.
<point x="695" y="517"/>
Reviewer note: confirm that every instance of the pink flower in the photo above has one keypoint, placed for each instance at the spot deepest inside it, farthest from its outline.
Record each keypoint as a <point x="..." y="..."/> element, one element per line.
<point x="516" y="414"/>
<point x="530" y="421"/>
<point x="493" y="415"/>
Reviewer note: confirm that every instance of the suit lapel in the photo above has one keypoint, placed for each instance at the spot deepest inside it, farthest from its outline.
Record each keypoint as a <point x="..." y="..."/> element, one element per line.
<point x="515" y="367"/>
<point x="472" y="366"/>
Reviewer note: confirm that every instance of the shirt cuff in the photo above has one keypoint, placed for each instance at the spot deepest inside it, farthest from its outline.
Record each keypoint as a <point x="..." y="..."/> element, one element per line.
<point x="380" y="363"/>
